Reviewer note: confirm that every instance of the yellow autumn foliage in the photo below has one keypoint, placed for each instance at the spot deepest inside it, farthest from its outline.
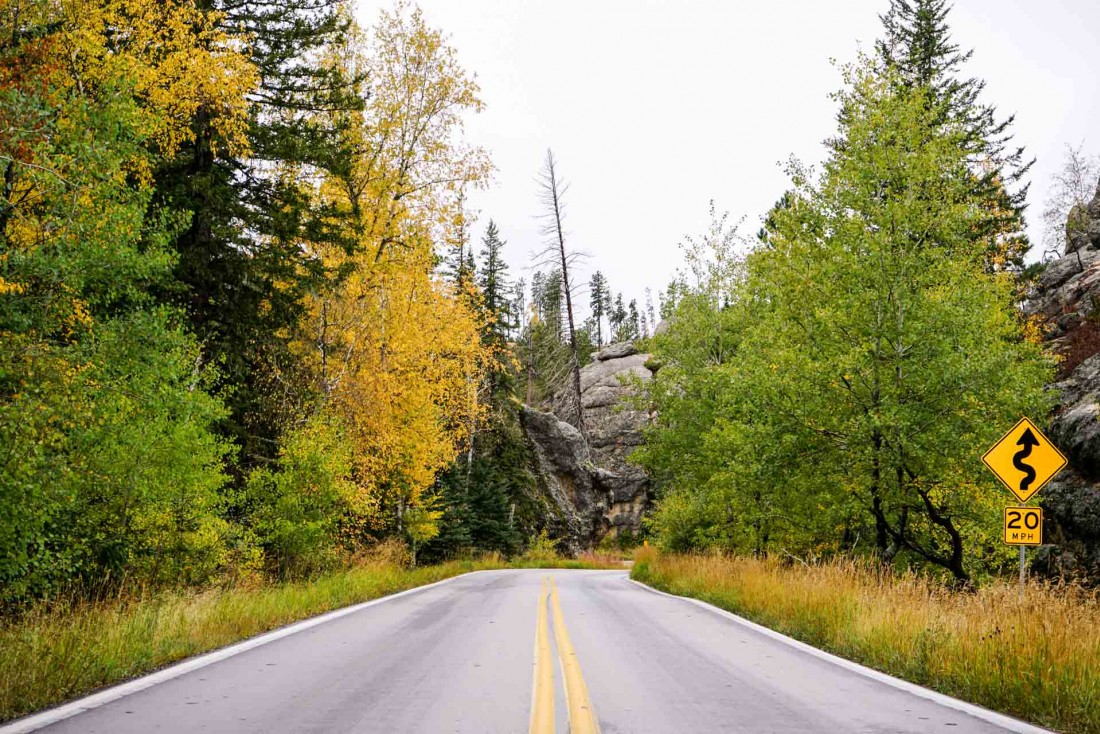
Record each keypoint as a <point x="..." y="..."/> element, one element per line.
<point x="396" y="350"/>
<point x="166" y="60"/>
<point x="406" y="359"/>
<point x="177" y="58"/>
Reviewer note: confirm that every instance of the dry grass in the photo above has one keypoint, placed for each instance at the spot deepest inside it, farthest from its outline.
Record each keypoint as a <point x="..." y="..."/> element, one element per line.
<point x="1035" y="656"/>
<point x="67" y="650"/>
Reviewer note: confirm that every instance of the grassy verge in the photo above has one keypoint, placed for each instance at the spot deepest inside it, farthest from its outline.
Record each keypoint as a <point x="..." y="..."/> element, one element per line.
<point x="1036" y="657"/>
<point x="57" y="653"/>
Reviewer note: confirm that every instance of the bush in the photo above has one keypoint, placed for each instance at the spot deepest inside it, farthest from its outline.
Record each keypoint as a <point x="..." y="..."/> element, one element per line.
<point x="294" y="509"/>
<point x="542" y="550"/>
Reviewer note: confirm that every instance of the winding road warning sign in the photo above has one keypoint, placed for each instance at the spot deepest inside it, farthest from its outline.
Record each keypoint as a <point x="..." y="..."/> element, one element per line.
<point x="1024" y="460"/>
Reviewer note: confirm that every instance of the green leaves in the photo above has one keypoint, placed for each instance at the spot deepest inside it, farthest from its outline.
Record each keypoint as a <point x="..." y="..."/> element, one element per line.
<point x="294" y="508"/>
<point x="109" y="467"/>
<point x="836" y="390"/>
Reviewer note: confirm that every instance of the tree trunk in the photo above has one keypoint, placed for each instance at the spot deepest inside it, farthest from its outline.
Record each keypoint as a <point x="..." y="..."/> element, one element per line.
<point x="553" y="193"/>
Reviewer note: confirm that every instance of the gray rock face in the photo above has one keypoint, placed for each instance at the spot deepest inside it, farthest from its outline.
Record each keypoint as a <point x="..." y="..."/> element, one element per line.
<point x="1073" y="503"/>
<point x="1059" y="271"/>
<point x="616" y="351"/>
<point x="615" y="427"/>
<point x="563" y="467"/>
<point x="597" y="491"/>
<point x="1067" y="297"/>
<point x="607" y="373"/>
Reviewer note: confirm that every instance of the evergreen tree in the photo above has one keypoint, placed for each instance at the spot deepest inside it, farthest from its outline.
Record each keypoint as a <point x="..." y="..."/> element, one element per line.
<point x="495" y="288"/>
<point x="480" y="492"/>
<point x="241" y="266"/>
<point x="459" y="265"/>
<point x="518" y="307"/>
<point x="617" y="317"/>
<point x="673" y="293"/>
<point x="917" y="46"/>
<point x="538" y="285"/>
<point x="550" y="304"/>
<point x="652" y="312"/>
<point x="600" y="303"/>
<point x="633" y="321"/>
<point x="543" y="349"/>
<point x="488" y="505"/>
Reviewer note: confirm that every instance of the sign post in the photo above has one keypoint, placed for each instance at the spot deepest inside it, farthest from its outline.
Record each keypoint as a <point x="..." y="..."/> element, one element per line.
<point x="1024" y="460"/>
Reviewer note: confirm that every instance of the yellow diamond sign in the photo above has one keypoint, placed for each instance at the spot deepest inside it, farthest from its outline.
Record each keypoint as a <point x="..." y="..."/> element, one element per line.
<point x="1024" y="460"/>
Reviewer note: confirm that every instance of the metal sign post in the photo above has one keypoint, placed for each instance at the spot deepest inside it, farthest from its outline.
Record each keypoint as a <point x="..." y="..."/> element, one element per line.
<point x="1023" y="527"/>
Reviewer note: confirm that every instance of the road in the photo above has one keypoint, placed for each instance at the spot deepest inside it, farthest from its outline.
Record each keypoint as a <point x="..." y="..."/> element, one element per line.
<point x="480" y="652"/>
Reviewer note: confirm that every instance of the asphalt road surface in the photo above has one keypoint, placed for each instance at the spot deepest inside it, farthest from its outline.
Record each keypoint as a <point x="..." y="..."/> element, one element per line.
<point x="496" y="651"/>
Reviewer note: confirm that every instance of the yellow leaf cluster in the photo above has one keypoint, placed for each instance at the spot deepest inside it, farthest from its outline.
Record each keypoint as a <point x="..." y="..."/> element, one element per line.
<point x="398" y="352"/>
<point x="401" y="362"/>
<point x="179" y="61"/>
<point x="166" y="63"/>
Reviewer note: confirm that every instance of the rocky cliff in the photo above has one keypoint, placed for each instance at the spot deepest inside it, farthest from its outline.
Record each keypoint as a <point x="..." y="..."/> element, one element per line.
<point x="1067" y="299"/>
<point x="595" y="491"/>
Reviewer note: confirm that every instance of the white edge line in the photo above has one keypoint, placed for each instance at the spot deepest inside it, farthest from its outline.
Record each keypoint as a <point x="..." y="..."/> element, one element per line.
<point x="1001" y="720"/>
<point x="51" y="716"/>
<point x="535" y="666"/>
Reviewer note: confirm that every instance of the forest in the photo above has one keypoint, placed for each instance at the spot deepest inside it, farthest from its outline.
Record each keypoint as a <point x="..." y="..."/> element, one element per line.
<point x="246" y="328"/>
<point x="249" y="327"/>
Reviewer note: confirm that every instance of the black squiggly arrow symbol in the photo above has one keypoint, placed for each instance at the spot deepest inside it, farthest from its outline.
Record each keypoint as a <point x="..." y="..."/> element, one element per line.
<point x="1028" y="441"/>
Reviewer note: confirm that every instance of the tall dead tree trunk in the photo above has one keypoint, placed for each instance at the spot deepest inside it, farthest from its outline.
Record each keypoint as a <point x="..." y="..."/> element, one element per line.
<point x="553" y="191"/>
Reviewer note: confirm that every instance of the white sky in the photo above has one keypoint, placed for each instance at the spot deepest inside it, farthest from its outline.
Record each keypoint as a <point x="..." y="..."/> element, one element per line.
<point x="655" y="107"/>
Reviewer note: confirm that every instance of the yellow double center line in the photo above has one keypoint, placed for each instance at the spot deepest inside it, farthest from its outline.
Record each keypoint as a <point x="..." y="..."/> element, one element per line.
<point x="582" y="717"/>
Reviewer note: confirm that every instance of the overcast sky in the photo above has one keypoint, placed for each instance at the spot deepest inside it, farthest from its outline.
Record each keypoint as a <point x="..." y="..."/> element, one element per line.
<point x="655" y="107"/>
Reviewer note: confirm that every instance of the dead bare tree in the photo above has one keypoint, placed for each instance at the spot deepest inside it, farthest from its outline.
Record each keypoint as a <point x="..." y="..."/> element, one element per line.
<point x="552" y="193"/>
<point x="1071" y="189"/>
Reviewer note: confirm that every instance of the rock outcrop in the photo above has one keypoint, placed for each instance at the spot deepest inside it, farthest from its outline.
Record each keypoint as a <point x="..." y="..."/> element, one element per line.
<point x="597" y="492"/>
<point x="563" y="469"/>
<point x="1067" y="298"/>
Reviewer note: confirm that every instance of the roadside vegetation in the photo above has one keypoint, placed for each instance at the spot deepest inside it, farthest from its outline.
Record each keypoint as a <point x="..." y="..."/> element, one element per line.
<point x="250" y="345"/>
<point x="827" y="386"/>
<point x="74" y="646"/>
<point x="245" y="325"/>
<point x="1035" y="656"/>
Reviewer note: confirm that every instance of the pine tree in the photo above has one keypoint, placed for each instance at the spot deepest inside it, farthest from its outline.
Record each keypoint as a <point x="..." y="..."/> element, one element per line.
<point x="519" y="307"/>
<point x="495" y="287"/>
<point x="549" y="302"/>
<point x="633" y="321"/>
<point x="917" y="45"/>
<point x="459" y="265"/>
<point x="617" y="317"/>
<point x="496" y="304"/>
<point x="242" y="270"/>
<point x="600" y="303"/>
<point x="650" y="310"/>
<point x="538" y="284"/>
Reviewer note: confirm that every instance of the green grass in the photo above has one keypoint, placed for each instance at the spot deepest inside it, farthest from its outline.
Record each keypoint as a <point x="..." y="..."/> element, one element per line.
<point x="1035" y="656"/>
<point x="62" y="651"/>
